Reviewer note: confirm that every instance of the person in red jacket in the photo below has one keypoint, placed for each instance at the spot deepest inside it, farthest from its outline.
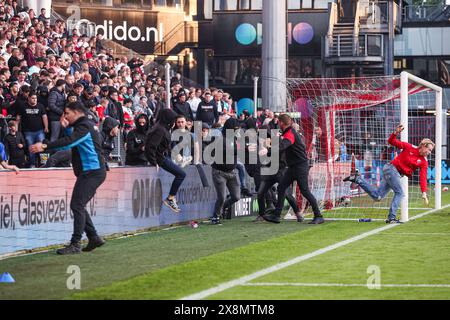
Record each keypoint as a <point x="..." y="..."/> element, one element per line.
<point x="409" y="160"/>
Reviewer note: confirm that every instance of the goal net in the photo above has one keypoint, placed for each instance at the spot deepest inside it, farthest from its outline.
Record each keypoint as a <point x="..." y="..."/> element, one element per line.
<point x="346" y="124"/>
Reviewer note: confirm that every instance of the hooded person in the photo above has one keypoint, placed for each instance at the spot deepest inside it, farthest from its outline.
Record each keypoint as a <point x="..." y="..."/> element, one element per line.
<point x="224" y="172"/>
<point x="110" y="130"/>
<point x="135" y="154"/>
<point x="158" y="153"/>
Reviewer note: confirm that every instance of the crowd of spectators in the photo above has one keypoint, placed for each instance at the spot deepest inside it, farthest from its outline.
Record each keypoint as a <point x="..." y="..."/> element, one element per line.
<point x="44" y="66"/>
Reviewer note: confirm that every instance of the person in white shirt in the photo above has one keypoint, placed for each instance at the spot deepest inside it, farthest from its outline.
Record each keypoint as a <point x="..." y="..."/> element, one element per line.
<point x="138" y="95"/>
<point x="8" y="51"/>
<point x="194" y="101"/>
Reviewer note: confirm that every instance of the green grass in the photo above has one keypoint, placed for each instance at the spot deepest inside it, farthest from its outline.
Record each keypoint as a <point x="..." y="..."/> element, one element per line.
<point x="414" y="253"/>
<point x="174" y="263"/>
<point x="365" y="207"/>
<point x="43" y="276"/>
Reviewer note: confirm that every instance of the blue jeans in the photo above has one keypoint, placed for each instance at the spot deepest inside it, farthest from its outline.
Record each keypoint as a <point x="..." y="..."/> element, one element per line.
<point x="391" y="181"/>
<point x="32" y="138"/>
<point x="241" y="171"/>
<point x="174" y="169"/>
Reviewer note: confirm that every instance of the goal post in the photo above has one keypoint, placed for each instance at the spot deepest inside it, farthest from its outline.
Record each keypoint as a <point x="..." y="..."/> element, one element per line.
<point x="346" y="123"/>
<point x="405" y="79"/>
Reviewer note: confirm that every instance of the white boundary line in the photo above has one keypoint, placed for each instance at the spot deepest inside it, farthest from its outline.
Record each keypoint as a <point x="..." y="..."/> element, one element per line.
<point x="240" y="281"/>
<point x="293" y="284"/>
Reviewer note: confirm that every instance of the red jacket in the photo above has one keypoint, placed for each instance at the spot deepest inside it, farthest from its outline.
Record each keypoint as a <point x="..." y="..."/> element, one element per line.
<point x="409" y="160"/>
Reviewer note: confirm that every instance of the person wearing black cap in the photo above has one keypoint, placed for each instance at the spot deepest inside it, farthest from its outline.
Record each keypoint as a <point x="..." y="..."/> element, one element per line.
<point x="157" y="151"/>
<point x="223" y="172"/>
<point x="56" y="102"/>
<point x="182" y="107"/>
<point x="87" y="96"/>
<point x="104" y="92"/>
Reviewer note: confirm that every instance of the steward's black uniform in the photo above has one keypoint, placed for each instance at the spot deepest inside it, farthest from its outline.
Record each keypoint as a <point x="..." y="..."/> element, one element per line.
<point x="298" y="169"/>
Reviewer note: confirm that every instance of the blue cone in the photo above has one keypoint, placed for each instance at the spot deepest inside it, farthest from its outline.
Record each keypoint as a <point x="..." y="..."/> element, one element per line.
<point x="6" y="278"/>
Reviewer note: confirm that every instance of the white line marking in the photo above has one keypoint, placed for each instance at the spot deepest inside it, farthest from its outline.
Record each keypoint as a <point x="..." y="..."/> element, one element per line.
<point x="416" y="234"/>
<point x="263" y="284"/>
<point x="237" y="282"/>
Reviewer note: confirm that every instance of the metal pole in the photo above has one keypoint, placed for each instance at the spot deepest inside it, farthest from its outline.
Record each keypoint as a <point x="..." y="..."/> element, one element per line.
<point x="339" y="45"/>
<point x="390" y="46"/>
<point x="274" y="48"/>
<point x="404" y="137"/>
<point x="438" y="152"/>
<point x="167" y="67"/>
<point x="255" y="95"/>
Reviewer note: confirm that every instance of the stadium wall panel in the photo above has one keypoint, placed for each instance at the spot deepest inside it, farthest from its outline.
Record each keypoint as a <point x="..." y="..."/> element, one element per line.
<point x="35" y="204"/>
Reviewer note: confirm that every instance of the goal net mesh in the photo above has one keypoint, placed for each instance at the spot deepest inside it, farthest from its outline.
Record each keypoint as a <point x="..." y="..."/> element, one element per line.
<point x="346" y="124"/>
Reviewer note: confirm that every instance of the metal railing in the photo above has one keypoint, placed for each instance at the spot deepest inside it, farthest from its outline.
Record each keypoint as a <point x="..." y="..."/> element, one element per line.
<point x="333" y="20"/>
<point x="376" y="12"/>
<point x="426" y="13"/>
<point x="184" y="32"/>
<point x="369" y="45"/>
<point x="356" y="28"/>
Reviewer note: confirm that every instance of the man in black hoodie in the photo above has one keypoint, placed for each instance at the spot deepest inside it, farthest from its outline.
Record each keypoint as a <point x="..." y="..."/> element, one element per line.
<point x="223" y="172"/>
<point x="110" y="130"/>
<point x="207" y="111"/>
<point x="157" y="151"/>
<point x="136" y="142"/>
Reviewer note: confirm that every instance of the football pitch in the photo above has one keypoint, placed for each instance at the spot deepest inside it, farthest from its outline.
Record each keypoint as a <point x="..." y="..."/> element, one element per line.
<point x="242" y="259"/>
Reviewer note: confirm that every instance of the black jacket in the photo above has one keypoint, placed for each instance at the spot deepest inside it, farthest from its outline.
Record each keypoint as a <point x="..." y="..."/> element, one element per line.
<point x="85" y="143"/>
<point x="16" y="155"/>
<point x="207" y="112"/>
<point x="115" y="111"/>
<point x="135" y="141"/>
<point x="295" y="150"/>
<point x="157" y="145"/>
<point x="229" y="148"/>
<point x="56" y="102"/>
<point x="107" y="140"/>
<point x="184" y="109"/>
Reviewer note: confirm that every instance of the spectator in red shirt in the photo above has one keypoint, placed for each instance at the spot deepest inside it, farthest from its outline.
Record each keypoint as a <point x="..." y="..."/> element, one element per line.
<point x="408" y="161"/>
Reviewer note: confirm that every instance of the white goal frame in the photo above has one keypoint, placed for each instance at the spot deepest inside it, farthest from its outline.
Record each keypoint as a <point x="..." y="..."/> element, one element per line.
<point x="405" y="79"/>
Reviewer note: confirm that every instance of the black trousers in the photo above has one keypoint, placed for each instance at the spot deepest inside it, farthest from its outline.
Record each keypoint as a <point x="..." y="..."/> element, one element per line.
<point x="300" y="174"/>
<point x="266" y="184"/>
<point x="225" y="180"/>
<point x="83" y="191"/>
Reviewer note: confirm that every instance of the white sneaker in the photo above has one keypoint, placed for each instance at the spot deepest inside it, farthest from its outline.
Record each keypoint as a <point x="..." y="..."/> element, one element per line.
<point x="186" y="161"/>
